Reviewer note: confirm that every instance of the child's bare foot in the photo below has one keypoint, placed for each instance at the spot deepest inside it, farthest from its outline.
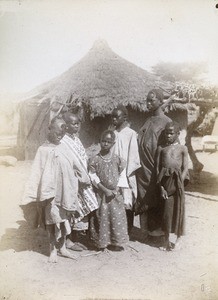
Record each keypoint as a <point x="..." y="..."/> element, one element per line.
<point x="53" y="257"/>
<point x="163" y="248"/>
<point x="178" y="244"/>
<point x="169" y="247"/>
<point x="74" y="246"/>
<point x="64" y="252"/>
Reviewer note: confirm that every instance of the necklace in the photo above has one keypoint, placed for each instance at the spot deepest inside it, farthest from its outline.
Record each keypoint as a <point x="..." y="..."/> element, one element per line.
<point x="71" y="135"/>
<point x="174" y="144"/>
<point x="106" y="159"/>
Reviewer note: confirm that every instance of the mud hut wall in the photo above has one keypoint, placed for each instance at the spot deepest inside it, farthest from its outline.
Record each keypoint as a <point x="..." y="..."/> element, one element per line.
<point x="33" y="129"/>
<point x="91" y="129"/>
<point x="28" y="142"/>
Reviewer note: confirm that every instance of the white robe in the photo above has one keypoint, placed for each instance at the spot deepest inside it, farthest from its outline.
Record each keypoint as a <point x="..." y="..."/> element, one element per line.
<point x="126" y="147"/>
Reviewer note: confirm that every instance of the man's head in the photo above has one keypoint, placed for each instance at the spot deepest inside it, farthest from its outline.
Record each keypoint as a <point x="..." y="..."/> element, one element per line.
<point x="72" y="122"/>
<point x="172" y="131"/>
<point x="154" y="99"/>
<point x="57" y="129"/>
<point x="119" y="116"/>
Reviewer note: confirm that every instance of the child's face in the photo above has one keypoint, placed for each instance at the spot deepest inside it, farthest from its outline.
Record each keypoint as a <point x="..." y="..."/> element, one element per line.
<point x="153" y="102"/>
<point x="56" y="133"/>
<point x="106" y="142"/>
<point x="73" y="125"/>
<point x="118" y="118"/>
<point x="171" y="135"/>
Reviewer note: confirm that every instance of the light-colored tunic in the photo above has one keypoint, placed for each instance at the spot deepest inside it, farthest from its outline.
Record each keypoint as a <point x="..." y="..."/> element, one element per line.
<point x="126" y="147"/>
<point x="40" y="188"/>
<point x="33" y="186"/>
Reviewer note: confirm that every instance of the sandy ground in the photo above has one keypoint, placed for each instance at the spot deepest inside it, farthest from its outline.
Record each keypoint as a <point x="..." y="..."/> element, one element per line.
<point x="139" y="272"/>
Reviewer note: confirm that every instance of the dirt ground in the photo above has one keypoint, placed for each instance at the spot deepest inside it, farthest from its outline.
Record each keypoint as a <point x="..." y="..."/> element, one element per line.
<point x="140" y="272"/>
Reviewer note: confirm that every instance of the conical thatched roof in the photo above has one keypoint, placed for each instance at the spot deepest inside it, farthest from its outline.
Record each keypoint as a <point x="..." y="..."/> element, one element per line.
<point x="100" y="81"/>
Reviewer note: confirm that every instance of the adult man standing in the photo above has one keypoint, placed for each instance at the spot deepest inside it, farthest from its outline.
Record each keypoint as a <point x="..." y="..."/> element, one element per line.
<point x="149" y="138"/>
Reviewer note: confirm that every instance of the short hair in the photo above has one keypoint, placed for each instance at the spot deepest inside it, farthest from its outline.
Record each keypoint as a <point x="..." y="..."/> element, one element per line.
<point x="67" y="115"/>
<point x="108" y="131"/>
<point x="157" y="93"/>
<point x="57" y="121"/>
<point x="173" y="124"/>
<point x="121" y="108"/>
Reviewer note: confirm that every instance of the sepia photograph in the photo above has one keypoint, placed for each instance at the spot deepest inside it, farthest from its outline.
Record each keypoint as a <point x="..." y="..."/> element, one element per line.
<point x="108" y="150"/>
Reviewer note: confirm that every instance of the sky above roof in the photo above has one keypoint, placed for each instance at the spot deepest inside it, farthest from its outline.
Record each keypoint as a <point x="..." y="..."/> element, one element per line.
<point x="41" y="39"/>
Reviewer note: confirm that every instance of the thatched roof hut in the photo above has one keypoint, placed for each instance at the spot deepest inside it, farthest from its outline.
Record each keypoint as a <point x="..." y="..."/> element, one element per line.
<point x="98" y="82"/>
<point x="101" y="80"/>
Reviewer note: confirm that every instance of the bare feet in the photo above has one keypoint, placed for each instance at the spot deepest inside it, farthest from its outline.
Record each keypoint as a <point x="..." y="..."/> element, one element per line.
<point x="53" y="256"/>
<point x="168" y="247"/>
<point x="69" y="243"/>
<point x="74" y="246"/>
<point x="64" y="252"/>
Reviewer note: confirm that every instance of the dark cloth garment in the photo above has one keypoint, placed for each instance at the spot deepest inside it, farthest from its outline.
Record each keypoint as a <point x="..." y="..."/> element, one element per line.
<point x="130" y="219"/>
<point x="108" y="225"/>
<point x="149" y="138"/>
<point x="174" y="206"/>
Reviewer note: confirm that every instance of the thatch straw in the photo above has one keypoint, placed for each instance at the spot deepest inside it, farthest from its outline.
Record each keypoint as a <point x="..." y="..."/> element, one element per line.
<point x="101" y="80"/>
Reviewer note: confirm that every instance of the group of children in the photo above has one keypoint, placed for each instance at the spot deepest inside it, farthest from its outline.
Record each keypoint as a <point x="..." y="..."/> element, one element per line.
<point x="104" y="188"/>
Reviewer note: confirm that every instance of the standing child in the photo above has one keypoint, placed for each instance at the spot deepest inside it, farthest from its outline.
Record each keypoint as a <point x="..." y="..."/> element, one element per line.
<point x="87" y="198"/>
<point x="126" y="146"/>
<point x="49" y="185"/>
<point x="33" y="198"/>
<point x="108" y="226"/>
<point x="172" y="172"/>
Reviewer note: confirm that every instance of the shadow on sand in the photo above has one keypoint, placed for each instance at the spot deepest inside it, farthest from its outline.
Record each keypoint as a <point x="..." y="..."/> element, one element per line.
<point x="205" y="183"/>
<point x="25" y="239"/>
<point x="29" y="236"/>
<point x="137" y="236"/>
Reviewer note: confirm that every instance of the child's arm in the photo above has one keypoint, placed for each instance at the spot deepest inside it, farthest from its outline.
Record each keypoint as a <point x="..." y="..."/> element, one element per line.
<point x="158" y="154"/>
<point x="96" y="180"/>
<point x="107" y="192"/>
<point x="185" y="163"/>
<point x="163" y="192"/>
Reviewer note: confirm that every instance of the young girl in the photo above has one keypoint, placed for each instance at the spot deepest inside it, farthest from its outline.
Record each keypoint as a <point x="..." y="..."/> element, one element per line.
<point x="172" y="171"/>
<point x="108" y="226"/>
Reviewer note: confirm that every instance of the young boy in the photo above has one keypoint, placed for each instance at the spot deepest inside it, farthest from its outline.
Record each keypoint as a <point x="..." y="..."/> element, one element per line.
<point x="56" y="132"/>
<point x="172" y="172"/>
<point x="126" y="146"/>
<point x="87" y="198"/>
<point x="41" y="189"/>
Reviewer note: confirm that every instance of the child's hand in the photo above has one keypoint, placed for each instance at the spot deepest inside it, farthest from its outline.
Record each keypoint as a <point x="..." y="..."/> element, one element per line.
<point x="109" y="193"/>
<point x="116" y="191"/>
<point x="163" y="193"/>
